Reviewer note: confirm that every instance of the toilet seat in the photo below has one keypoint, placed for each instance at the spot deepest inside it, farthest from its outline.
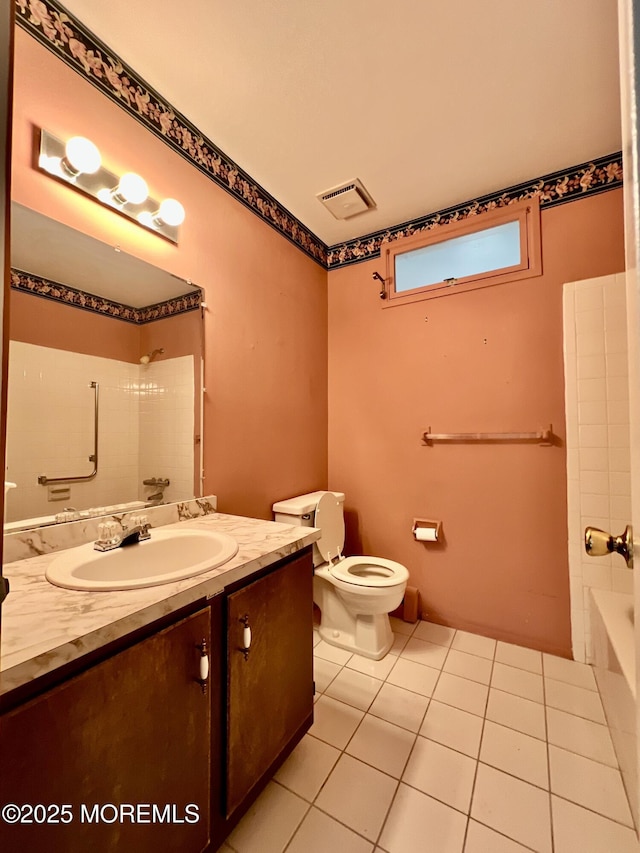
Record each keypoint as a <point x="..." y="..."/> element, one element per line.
<point x="369" y="571"/>
<point x="329" y="517"/>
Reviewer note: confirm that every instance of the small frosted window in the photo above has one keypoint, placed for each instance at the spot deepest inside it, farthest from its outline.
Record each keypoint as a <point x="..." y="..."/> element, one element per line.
<point x="473" y="254"/>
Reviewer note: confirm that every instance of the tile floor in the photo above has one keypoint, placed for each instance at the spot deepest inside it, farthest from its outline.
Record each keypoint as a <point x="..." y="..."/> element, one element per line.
<point x="454" y="742"/>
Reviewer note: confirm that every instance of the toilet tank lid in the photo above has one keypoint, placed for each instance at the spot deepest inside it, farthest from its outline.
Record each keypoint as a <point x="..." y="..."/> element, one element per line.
<point x="303" y="504"/>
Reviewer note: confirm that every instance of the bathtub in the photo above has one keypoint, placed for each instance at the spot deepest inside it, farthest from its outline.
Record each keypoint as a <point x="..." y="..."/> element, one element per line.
<point x="613" y="634"/>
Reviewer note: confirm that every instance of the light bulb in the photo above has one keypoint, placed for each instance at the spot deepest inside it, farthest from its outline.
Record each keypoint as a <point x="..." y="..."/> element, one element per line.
<point x="145" y="218"/>
<point x="81" y="155"/>
<point x="52" y="165"/>
<point x="171" y="212"/>
<point x="132" y="188"/>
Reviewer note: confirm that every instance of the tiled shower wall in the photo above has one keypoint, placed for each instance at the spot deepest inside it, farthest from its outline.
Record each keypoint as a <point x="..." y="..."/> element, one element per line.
<point x="598" y="460"/>
<point x="50" y="427"/>
<point x="166" y="390"/>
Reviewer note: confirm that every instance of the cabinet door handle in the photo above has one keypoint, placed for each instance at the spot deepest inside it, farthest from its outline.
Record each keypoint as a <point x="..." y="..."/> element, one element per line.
<point x="246" y="635"/>
<point x="203" y="681"/>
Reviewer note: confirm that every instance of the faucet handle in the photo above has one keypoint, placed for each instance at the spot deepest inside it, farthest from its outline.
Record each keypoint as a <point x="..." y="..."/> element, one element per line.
<point x="107" y="530"/>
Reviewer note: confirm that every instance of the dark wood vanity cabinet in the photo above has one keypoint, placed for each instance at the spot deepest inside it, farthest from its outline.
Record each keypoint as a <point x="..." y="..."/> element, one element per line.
<point x="135" y="729"/>
<point x="270" y="684"/>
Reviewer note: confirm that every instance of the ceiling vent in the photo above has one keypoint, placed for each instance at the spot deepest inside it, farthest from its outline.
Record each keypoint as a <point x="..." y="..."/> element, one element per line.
<point x="347" y="200"/>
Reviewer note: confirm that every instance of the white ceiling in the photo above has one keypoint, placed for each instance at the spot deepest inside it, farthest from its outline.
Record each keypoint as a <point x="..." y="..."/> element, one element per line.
<point x="429" y="102"/>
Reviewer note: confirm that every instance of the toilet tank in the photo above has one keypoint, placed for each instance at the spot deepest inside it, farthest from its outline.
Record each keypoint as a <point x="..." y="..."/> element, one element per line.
<point x="300" y="510"/>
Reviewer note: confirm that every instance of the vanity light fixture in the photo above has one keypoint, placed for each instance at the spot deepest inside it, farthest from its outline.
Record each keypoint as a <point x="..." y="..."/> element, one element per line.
<point x="79" y="164"/>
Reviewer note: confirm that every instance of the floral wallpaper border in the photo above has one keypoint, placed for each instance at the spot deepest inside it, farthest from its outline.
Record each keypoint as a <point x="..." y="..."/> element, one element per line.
<point x="62" y="33"/>
<point x="65" y="36"/>
<point x="598" y="176"/>
<point x="35" y="285"/>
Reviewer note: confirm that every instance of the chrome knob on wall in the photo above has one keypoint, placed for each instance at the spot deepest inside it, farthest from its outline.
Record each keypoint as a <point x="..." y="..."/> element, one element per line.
<point x="598" y="543"/>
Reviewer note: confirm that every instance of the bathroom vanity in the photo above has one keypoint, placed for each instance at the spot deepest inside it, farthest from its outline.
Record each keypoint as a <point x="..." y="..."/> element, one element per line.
<point x="118" y="737"/>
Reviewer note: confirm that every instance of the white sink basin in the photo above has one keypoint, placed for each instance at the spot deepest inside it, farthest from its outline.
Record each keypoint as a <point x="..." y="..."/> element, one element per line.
<point x="169" y="555"/>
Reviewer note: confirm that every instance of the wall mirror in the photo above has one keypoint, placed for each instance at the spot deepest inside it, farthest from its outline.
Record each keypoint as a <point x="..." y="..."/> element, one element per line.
<point x="105" y="367"/>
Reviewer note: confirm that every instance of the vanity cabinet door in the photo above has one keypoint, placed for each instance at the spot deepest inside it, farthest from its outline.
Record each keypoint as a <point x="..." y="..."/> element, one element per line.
<point x="270" y="687"/>
<point x="133" y="730"/>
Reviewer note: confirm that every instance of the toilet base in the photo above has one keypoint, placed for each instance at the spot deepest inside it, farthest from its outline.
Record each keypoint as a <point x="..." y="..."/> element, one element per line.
<point x="369" y="636"/>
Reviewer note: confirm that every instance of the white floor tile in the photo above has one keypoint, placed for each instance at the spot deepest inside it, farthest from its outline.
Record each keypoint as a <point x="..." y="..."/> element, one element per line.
<point x="517" y="681"/>
<point x="316" y="637"/>
<point x="424" y="652"/>
<point x="481" y="839"/>
<point x="270" y="822"/>
<point x="358" y="796"/>
<point x="308" y="766"/>
<point x="399" y="706"/>
<point x="433" y="633"/>
<point x="354" y="688"/>
<point x="324" y="672"/>
<point x="357" y="791"/>
<point x="574" y="700"/>
<point x="469" y="666"/>
<point x="512" y="807"/>
<point x="413" y="676"/>
<point x="442" y="773"/>
<point x="461" y="693"/>
<point x="516" y="753"/>
<point x="453" y="727"/>
<point x="589" y="784"/>
<point x="516" y="713"/>
<point x="570" y="671"/>
<point x="319" y="833"/>
<point x="582" y="736"/>
<point x="474" y="644"/>
<point x="399" y="642"/>
<point x="417" y="823"/>
<point x="334" y="722"/>
<point x="332" y="653"/>
<point x="577" y="830"/>
<point x="382" y="745"/>
<point x="399" y="626"/>
<point x="377" y="668"/>
<point x="520" y="657"/>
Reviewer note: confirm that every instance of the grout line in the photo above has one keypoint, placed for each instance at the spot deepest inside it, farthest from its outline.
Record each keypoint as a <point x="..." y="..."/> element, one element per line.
<point x="299" y="824"/>
<point x="386" y="817"/>
<point x="475" y="775"/>
<point x="502" y="834"/>
<point x="628" y="826"/>
<point x="546" y="736"/>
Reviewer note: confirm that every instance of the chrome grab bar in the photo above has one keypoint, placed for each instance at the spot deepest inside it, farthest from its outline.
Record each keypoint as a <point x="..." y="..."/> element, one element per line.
<point x="46" y="481"/>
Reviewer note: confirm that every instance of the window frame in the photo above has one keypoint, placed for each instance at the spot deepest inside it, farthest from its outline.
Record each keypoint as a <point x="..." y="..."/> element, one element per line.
<point x="527" y="213"/>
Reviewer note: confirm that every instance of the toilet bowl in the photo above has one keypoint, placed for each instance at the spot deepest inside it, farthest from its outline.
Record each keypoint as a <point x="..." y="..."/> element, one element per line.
<point x="354" y="594"/>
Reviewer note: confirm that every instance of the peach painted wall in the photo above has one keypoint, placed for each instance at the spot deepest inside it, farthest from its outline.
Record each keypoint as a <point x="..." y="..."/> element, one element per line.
<point x="34" y="320"/>
<point x="179" y="335"/>
<point x="266" y="324"/>
<point x="483" y="361"/>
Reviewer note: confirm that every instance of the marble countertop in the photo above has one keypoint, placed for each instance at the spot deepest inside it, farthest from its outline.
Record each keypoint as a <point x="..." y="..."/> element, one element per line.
<point x="44" y="626"/>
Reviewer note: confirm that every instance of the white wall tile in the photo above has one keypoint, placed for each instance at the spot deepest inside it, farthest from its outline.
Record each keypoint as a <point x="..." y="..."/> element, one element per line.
<point x="57" y="382"/>
<point x="595" y="333"/>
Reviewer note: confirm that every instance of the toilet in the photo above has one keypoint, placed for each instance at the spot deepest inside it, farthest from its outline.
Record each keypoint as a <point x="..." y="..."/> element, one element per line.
<point x="354" y="594"/>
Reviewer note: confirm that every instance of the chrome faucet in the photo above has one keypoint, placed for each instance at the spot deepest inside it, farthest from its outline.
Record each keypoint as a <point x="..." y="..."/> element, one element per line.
<point x="111" y="536"/>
